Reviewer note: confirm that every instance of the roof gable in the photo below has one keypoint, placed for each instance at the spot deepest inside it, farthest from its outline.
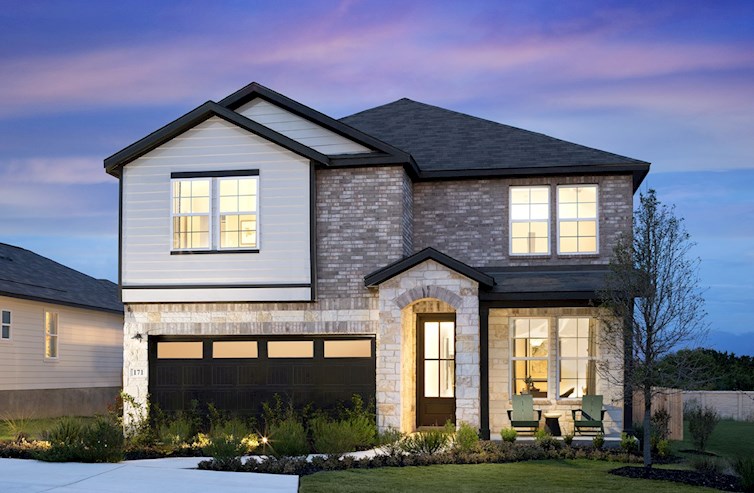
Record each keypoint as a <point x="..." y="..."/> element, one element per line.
<point x="192" y="119"/>
<point x="446" y="143"/>
<point x="381" y="275"/>
<point x="26" y="275"/>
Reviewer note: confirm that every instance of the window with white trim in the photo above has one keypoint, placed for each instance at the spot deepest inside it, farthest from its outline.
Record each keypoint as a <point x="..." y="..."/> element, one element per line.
<point x="530" y="338"/>
<point x="51" y="335"/>
<point x="5" y="319"/>
<point x="577" y="219"/>
<point x="577" y="349"/>
<point x="215" y="213"/>
<point x="530" y="220"/>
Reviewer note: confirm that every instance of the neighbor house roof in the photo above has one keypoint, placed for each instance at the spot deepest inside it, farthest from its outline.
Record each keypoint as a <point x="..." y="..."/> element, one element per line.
<point x="24" y="274"/>
<point x="446" y="143"/>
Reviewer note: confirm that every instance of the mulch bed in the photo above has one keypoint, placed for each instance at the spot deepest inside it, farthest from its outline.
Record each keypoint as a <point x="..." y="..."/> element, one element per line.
<point x="722" y="482"/>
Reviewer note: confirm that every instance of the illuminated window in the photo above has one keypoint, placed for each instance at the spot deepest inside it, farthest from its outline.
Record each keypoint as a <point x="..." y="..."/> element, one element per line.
<point x="51" y="335"/>
<point x="530" y="355"/>
<point x="191" y="204"/>
<point x="235" y="349"/>
<point x="577" y="219"/>
<point x="238" y="212"/>
<point x="576" y="353"/>
<point x="5" y="325"/>
<point x="359" y="348"/>
<point x="217" y="212"/>
<point x="439" y="359"/>
<point x="180" y="350"/>
<point x="529" y="220"/>
<point x="290" y="349"/>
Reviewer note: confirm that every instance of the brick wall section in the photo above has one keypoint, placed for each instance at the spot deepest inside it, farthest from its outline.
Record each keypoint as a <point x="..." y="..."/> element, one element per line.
<point x="360" y="226"/>
<point x="468" y="220"/>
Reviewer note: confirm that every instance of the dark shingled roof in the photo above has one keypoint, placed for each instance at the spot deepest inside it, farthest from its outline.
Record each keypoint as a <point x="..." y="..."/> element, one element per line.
<point x="561" y="282"/>
<point x="24" y="274"/>
<point x="445" y="140"/>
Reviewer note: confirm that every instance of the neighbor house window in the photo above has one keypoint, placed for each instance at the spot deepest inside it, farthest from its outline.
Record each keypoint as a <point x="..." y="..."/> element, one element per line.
<point x="577" y="219"/>
<point x="5" y="325"/>
<point x="529" y="220"/>
<point x="215" y="211"/>
<point x="51" y="335"/>
<point x="530" y="354"/>
<point x="576" y="357"/>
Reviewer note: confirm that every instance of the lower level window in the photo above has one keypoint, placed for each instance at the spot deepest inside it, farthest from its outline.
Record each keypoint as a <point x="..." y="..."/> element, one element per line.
<point x="530" y="355"/>
<point x="5" y="325"/>
<point x="577" y="350"/>
<point x="51" y="335"/>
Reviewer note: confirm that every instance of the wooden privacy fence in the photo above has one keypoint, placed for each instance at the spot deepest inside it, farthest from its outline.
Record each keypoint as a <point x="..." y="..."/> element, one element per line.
<point x="671" y="400"/>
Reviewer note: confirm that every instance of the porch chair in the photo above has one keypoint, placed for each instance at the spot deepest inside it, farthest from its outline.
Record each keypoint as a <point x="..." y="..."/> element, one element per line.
<point x="592" y="415"/>
<point x="522" y="414"/>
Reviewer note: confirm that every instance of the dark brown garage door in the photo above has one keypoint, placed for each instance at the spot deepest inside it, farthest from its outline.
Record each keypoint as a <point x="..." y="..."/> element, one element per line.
<point x="239" y="374"/>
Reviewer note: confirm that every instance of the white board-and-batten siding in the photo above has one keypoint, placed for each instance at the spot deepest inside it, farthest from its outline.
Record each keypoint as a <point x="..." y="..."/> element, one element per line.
<point x="283" y="221"/>
<point x="90" y="348"/>
<point x="300" y="129"/>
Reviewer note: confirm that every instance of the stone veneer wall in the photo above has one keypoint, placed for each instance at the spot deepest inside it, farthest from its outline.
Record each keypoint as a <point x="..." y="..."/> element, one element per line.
<point x="396" y="361"/>
<point x="500" y="372"/>
<point x="468" y="219"/>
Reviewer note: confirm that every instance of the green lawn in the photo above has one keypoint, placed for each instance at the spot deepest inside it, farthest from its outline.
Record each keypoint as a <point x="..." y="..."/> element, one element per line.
<point x="521" y="477"/>
<point x="730" y="439"/>
<point x="32" y="427"/>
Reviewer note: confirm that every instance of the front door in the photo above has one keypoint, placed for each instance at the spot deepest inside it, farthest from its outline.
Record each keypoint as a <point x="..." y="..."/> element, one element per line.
<point x="435" y="369"/>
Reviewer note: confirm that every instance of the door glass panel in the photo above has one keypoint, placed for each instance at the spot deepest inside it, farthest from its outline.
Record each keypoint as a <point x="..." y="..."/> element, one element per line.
<point x="359" y="348"/>
<point x="431" y="378"/>
<point x="431" y="340"/>
<point x="290" y="349"/>
<point x="447" y="342"/>
<point x="447" y="378"/>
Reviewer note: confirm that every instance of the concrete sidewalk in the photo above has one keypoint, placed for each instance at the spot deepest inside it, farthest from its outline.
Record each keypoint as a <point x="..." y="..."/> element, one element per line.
<point x="141" y="476"/>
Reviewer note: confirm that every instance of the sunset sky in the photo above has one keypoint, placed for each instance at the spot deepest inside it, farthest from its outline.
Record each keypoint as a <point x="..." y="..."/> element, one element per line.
<point x="667" y="82"/>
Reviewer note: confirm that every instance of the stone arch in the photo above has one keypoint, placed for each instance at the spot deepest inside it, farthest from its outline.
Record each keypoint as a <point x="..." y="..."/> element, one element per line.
<point x="429" y="291"/>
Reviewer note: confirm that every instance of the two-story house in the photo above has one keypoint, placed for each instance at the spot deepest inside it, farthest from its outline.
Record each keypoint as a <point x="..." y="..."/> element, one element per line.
<point x="430" y="260"/>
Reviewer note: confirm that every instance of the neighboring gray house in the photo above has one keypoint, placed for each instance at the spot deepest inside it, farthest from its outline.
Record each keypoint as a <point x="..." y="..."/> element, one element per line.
<point x="428" y="259"/>
<point x="61" y="342"/>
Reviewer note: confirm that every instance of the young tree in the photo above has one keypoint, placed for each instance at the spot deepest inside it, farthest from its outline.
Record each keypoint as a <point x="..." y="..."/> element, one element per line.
<point x="654" y="305"/>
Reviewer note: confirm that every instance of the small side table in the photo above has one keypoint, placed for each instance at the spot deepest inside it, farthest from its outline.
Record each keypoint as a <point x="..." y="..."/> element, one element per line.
<point x="552" y="423"/>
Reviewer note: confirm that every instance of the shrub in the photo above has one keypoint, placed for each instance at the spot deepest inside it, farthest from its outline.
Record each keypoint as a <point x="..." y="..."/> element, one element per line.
<point x="389" y="441"/>
<point x="466" y="438"/>
<point x="702" y="422"/>
<point x="568" y="439"/>
<point x="139" y="430"/>
<point x="288" y="438"/>
<point x="176" y="431"/>
<point x="334" y="436"/>
<point x="744" y="467"/>
<point x="72" y="441"/>
<point x="706" y="464"/>
<point x="661" y="424"/>
<point x="598" y="441"/>
<point x="629" y="443"/>
<point x="663" y="448"/>
<point x="508" y="434"/>
<point x="426" y="442"/>
<point x="545" y="440"/>
<point x="226" y="450"/>
<point x="362" y="422"/>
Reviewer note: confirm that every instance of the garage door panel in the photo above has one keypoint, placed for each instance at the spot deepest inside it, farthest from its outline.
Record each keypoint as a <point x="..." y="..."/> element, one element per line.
<point x="241" y="385"/>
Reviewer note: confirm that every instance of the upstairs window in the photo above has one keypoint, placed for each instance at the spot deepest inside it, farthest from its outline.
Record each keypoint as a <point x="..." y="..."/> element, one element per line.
<point x="530" y="220"/>
<point x="5" y="325"/>
<point x="215" y="211"/>
<point x="577" y="219"/>
<point x="51" y="335"/>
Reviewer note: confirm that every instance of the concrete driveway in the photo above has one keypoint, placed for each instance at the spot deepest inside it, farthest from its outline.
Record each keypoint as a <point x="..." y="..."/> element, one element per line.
<point x="140" y="476"/>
